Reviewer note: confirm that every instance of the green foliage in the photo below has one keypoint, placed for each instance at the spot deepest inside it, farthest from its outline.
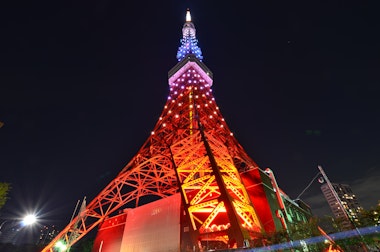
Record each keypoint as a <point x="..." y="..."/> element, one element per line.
<point x="87" y="247"/>
<point x="370" y="217"/>
<point x="4" y="190"/>
<point x="367" y="218"/>
<point x="303" y="230"/>
<point x="276" y="237"/>
<point x="84" y="245"/>
<point x="297" y="231"/>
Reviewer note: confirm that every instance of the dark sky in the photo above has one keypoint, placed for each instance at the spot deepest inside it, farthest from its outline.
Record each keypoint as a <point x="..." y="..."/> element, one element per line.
<point x="82" y="84"/>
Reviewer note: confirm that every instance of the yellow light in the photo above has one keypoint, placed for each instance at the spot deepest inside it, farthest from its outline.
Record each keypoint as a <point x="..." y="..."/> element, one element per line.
<point x="188" y="16"/>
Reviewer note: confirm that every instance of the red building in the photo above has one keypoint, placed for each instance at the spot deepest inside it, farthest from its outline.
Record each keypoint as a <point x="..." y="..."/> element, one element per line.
<point x="151" y="227"/>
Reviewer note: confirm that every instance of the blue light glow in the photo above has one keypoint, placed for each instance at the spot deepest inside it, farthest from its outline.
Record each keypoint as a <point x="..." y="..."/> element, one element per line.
<point x="189" y="43"/>
<point x="318" y="239"/>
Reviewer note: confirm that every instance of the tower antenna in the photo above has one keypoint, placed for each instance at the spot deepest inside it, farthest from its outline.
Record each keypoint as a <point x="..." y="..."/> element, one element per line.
<point x="188" y="15"/>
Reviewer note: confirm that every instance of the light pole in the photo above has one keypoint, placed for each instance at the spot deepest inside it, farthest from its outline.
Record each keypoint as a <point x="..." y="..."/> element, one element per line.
<point x="344" y="210"/>
<point x="280" y="213"/>
<point x="334" y="193"/>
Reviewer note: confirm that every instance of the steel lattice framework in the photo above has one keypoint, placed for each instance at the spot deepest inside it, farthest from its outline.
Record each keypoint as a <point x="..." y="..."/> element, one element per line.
<point x="207" y="158"/>
<point x="191" y="150"/>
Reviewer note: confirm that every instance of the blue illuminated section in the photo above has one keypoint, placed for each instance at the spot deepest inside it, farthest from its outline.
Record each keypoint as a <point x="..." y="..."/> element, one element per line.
<point x="189" y="42"/>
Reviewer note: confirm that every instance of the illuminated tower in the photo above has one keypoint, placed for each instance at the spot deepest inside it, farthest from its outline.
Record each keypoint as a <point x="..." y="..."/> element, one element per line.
<point x="190" y="151"/>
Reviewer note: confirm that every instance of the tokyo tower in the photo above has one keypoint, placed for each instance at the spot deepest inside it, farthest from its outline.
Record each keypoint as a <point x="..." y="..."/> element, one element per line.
<point x="192" y="152"/>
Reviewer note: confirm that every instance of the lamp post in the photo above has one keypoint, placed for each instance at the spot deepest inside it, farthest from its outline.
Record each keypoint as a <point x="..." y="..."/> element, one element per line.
<point x="334" y="193"/>
<point x="344" y="210"/>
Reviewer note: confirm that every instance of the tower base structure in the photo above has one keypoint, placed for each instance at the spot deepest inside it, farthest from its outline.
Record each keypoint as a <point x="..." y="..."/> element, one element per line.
<point x="162" y="226"/>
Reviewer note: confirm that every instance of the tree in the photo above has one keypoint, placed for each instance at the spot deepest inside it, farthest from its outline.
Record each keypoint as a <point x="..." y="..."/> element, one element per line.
<point x="370" y="217"/>
<point x="87" y="246"/>
<point x="4" y="190"/>
<point x="367" y="219"/>
<point x="298" y="231"/>
<point x="358" y="238"/>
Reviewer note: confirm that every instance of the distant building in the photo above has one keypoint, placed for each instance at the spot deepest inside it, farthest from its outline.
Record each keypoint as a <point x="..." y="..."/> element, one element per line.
<point x="351" y="206"/>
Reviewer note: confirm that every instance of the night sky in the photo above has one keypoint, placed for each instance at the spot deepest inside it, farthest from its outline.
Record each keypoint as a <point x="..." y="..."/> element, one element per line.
<point x="82" y="83"/>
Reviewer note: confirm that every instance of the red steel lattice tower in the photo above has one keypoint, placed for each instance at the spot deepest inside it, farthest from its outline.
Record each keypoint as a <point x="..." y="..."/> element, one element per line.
<point x="191" y="150"/>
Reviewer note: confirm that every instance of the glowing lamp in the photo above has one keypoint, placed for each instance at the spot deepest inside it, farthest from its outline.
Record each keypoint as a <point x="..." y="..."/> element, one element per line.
<point x="29" y="219"/>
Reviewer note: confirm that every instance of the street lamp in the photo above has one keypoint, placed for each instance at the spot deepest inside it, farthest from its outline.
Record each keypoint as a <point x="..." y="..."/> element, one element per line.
<point x="18" y="230"/>
<point x="29" y="219"/>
